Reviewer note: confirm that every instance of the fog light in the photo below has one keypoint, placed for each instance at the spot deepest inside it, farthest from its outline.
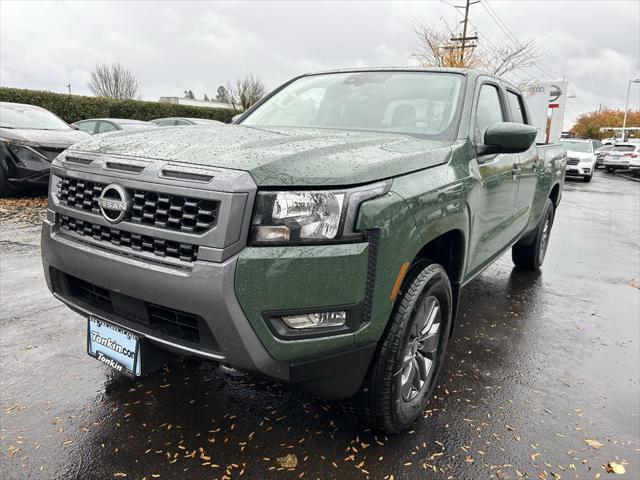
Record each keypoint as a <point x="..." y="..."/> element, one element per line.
<point x="316" y="320"/>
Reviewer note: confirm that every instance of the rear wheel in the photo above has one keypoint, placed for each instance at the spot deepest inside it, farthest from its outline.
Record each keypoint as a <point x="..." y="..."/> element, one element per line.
<point x="609" y="169"/>
<point x="409" y="357"/>
<point x="531" y="256"/>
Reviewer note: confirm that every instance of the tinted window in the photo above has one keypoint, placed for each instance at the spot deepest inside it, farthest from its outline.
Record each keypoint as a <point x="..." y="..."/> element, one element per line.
<point x="167" y="122"/>
<point x="106" y="127"/>
<point x="515" y="104"/>
<point x="183" y="122"/>
<point x="418" y="103"/>
<point x="88" y="127"/>
<point x="623" y="148"/>
<point x="136" y="126"/>
<point x="14" y="115"/>
<point x="489" y="110"/>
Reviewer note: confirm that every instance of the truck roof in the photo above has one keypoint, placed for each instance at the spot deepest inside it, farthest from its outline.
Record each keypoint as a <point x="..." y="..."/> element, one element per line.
<point x="468" y="72"/>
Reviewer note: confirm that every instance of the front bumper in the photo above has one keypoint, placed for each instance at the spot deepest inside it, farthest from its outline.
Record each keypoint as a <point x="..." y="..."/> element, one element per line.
<point x="579" y="170"/>
<point x="229" y="299"/>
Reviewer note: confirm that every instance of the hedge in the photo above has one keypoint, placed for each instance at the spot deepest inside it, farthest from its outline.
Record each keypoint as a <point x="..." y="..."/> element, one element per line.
<point x="72" y="108"/>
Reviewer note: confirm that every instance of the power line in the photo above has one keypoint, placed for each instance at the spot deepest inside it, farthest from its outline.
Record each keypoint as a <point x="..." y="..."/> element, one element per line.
<point x="509" y="34"/>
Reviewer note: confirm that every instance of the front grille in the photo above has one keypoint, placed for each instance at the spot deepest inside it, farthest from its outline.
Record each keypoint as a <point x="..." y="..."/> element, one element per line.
<point x="573" y="161"/>
<point x="167" y="321"/>
<point x="132" y="241"/>
<point x="172" y="212"/>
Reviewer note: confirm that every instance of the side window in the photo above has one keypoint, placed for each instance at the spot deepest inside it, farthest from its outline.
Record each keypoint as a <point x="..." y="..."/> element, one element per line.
<point x="489" y="110"/>
<point x="167" y="122"/>
<point x="517" y="107"/>
<point x="182" y="122"/>
<point x="88" y="127"/>
<point x="106" y="127"/>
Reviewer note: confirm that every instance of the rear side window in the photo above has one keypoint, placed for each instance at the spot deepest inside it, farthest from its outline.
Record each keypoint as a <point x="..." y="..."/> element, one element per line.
<point x="489" y="110"/>
<point x="106" y="127"/>
<point x="517" y="107"/>
<point x="166" y="123"/>
<point x="88" y="127"/>
<point x="183" y="122"/>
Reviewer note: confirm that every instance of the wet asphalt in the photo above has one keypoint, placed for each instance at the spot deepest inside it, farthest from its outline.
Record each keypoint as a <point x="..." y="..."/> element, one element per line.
<point x="542" y="379"/>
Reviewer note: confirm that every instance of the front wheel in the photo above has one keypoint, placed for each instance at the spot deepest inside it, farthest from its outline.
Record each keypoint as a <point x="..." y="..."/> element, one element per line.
<point x="531" y="256"/>
<point x="410" y="354"/>
<point x="588" y="178"/>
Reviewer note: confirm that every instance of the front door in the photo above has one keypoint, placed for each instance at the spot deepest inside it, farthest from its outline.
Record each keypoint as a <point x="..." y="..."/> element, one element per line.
<point x="493" y="199"/>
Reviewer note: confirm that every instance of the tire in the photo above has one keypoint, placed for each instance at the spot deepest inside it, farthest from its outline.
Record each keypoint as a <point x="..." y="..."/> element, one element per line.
<point x="609" y="169"/>
<point x="588" y="178"/>
<point x="531" y="256"/>
<point x="404" y="370"/>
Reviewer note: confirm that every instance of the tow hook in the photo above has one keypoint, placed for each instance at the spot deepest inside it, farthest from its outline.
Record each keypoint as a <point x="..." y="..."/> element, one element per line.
<point x="229" y="370"/>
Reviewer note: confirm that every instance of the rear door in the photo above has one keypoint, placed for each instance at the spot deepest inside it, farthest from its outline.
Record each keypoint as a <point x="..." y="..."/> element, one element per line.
<point x="528" y="166"/>
<point x="492" y="202"/>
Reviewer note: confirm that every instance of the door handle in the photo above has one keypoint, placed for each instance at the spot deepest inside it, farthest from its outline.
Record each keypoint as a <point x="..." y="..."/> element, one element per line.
<point x="515" y="171"/>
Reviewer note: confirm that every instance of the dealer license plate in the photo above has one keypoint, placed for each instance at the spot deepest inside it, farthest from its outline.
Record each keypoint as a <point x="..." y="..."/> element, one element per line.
<point x="113" y="346"/>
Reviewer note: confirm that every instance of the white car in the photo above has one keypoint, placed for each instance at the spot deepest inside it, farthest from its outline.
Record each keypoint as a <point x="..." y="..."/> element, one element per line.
<point x="581" y="157"/>
<point x="622" y="156"/>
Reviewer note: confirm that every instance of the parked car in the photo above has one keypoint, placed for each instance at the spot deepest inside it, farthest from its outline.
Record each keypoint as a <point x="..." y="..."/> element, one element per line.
<point x="581" y="157"/>
<point x="600" y="153"/>
<point x="30" y="138"/>
<point x="322" y="240"/>
<point x="103" y="125"/>
<point x="622" y="156"/>
<point x="173" y="121"/>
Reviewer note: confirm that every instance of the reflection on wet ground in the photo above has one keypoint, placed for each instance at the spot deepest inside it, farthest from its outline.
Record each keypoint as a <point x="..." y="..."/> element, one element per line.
<point x="541" y="380"/>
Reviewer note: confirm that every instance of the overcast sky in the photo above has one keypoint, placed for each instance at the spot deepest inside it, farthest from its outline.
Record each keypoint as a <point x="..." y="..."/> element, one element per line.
<point x="173" y="46"/>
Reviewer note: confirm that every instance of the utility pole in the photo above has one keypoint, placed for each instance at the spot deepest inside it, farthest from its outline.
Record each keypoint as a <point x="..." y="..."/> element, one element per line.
<point x="69" y="87"/>
<point x="626" y="107"/>
<point x="464" y="39"/>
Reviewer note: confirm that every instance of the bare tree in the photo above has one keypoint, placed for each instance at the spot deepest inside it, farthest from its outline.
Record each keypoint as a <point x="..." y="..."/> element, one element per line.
<point x="114" y="81"/>
<point x="435" y="49"/>
<point x="242" y="93"/>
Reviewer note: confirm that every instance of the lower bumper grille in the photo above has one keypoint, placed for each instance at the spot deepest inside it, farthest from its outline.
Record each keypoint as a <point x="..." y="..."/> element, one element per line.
<point x="169" y="322"/>
<point x="132" y="241"/>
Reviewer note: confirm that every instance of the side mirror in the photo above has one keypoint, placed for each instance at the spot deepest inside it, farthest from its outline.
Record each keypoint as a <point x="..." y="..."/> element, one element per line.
<point x="75" y="127"/>
<point x="510" y="137"/>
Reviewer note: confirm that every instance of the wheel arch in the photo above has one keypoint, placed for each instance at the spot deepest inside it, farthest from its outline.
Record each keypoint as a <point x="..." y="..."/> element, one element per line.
<point x="448" y="250"/>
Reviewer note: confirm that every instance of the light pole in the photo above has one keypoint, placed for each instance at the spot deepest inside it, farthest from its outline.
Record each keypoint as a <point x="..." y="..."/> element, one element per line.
<point x="626" y="106"/>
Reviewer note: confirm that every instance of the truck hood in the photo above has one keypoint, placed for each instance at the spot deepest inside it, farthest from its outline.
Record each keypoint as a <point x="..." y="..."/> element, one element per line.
<point x="280" y="156"/>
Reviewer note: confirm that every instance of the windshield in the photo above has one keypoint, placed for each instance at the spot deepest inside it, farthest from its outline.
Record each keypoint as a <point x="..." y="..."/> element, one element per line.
<point x="136" y="126"/>
<point x="416" y="103"/>
<point x="29" y="116"/>
<point x="623" y="148"/>
<point x="582" y="147"/>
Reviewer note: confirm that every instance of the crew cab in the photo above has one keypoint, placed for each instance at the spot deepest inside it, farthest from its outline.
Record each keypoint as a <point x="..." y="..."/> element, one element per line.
<point x="322" y="240"/>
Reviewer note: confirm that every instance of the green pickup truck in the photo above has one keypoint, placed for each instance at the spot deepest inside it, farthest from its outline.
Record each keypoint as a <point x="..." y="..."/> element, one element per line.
<point x="321" y="240"/>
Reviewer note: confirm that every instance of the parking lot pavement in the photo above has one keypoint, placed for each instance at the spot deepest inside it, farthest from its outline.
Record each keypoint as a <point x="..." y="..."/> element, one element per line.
<point x="542" y="379"/>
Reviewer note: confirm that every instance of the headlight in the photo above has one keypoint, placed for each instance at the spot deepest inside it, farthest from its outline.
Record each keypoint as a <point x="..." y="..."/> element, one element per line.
<point x="23" y="151"/>
<point x="310" y="216"/>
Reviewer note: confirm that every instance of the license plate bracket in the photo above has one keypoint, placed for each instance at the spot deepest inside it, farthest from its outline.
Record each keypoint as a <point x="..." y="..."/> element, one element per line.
<point x="114" y="346"/>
